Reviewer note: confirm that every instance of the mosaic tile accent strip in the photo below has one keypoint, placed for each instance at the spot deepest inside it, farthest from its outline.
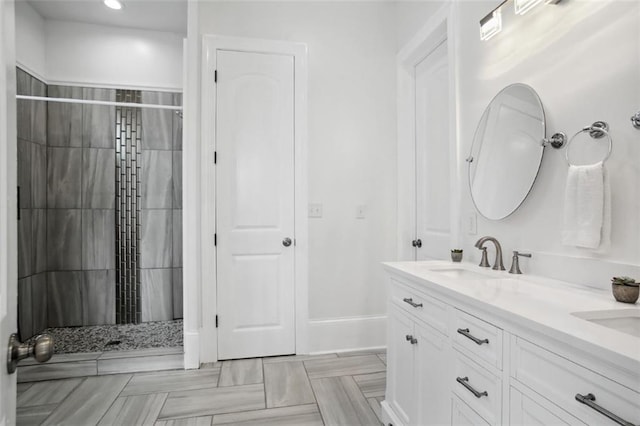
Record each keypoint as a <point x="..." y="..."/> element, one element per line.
<point x="128" y="153"/>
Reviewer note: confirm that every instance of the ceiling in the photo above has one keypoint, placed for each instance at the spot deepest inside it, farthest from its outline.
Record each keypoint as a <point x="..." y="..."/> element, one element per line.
<point x="156" y="15"/>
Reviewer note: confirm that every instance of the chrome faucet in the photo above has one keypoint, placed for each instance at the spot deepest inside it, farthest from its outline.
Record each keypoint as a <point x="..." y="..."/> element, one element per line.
<point x="498" y="265"/>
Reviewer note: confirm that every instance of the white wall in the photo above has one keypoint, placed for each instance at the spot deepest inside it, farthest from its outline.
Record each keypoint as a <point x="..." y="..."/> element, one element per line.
<point x="351" y="146"/>
<point x="104" y="56"/>
<point x="30" y="40"/>
<point x="583" y="59"/>
<point x="410" y="16"/>
<point x="71" y="53"/>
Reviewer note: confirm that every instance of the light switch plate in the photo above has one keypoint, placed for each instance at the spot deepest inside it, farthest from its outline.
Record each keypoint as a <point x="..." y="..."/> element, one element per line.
<point x="315" y="210"/>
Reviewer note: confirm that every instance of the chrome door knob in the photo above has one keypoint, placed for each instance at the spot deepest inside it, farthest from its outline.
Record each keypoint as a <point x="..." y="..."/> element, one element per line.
<point x="286" y="242"/>
<point x="41" y="350"/>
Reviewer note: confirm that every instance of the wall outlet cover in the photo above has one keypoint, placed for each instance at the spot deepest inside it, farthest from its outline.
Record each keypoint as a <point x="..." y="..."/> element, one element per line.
<point x="315" y="210"/>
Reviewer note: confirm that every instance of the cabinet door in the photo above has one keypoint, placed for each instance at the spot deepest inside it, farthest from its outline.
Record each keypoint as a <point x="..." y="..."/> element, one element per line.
<point x="400" y="373"/>
<point x="431" y="371"/>
<point x="524" y="410"/>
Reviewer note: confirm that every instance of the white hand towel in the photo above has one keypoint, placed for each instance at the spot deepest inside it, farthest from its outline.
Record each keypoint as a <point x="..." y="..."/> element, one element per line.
<point x="584" y="209"/>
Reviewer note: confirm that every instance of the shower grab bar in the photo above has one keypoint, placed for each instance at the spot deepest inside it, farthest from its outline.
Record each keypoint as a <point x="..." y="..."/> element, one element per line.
<point x="105" y="103"/>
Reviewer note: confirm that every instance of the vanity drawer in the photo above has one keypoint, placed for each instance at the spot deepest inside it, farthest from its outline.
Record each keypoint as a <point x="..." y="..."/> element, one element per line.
<point x="463" y="415"/>
<point x="427" y="309"/>
<point x="480" y="339"/>
<point x="561" y="381"/>
<point x="477" y="387"/>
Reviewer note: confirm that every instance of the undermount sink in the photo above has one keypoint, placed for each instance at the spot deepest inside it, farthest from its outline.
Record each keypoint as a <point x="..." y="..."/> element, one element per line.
<point x="460" y="273"/>
<point x="623" y="320"/>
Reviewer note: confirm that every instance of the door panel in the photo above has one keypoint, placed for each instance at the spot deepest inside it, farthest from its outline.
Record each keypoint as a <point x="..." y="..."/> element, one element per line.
<point x="255" y="204"/>
<point x="433" y="183"/>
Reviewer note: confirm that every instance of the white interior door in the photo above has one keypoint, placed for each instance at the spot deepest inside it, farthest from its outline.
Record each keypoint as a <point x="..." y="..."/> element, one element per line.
<point x="8" y="244"/>
<point x="433" y="164"/>
<point x="255" y="204"/>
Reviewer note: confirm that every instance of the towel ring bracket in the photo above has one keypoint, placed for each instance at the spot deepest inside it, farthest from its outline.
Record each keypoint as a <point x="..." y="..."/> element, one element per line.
<point x="599" y="127"/>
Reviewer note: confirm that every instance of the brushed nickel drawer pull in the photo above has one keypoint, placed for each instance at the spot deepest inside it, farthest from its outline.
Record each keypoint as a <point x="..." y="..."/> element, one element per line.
<point x="410" y="301"/>
<point x="589" y="401"/>
<point x="464" y="381"/>
<point x="465" y="333"/>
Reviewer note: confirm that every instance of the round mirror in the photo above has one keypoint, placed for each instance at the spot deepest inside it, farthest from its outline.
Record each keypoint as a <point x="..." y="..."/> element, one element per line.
<point x="507" y="151"/>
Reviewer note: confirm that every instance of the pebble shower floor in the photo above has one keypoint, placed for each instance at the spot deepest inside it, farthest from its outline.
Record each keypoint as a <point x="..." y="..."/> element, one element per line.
<point x="116" y="337"/>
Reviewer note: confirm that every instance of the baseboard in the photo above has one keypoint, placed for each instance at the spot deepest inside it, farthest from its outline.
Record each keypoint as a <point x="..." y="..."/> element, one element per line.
<point x="347" y="334"/>
<point x="191" y="350"/>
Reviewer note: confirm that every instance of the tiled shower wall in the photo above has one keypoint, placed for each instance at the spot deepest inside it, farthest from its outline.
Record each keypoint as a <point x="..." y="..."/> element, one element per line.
<point x="80" y="209"/>
<point x="32" y="223"/>
<point x="161" y="188"/>
<point x="67" y="227"/>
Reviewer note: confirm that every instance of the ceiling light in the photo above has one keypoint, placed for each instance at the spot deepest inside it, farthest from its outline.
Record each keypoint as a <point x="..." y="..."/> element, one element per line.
<point x="113" y="4"/>
<point x="523" y="6"/>
<point x="491" y="24"/>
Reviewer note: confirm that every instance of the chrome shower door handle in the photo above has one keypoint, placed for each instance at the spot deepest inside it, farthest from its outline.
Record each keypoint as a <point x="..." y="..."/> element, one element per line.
<point x="41" y="350"/>
<point x="286" y="242"/>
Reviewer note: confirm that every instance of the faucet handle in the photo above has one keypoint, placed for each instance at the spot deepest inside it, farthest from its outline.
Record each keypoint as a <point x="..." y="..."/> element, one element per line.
<point x="484" y="262"/>
<point x="515" y="263"/>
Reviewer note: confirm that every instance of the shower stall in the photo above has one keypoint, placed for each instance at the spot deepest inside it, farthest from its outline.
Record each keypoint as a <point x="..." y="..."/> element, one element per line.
<point x="100" y="214"/>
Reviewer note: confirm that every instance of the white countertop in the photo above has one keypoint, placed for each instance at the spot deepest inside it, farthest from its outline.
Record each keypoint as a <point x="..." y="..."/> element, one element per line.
<point x="540" y="303"/>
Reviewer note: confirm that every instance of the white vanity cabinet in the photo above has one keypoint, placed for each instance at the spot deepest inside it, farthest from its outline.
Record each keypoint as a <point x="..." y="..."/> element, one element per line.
<point x="454" y="360"/>
<point x="416" y="363"/>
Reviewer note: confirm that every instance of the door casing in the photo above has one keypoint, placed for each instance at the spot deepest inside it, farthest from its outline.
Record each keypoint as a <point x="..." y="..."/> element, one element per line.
<point x="211" y="43"/>
<point x="8" y="208"/>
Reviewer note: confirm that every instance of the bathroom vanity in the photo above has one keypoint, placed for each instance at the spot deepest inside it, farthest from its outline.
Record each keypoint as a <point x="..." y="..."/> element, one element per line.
<point x="469" y="345"/>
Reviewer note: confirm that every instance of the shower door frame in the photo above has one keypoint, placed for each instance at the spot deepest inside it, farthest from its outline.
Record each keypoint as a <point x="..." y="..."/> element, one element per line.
<point x="208" y="336"/>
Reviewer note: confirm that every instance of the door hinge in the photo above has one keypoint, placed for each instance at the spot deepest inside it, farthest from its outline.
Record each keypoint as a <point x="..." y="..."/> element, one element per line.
<point x="215" y="157"/>
<point x="215" y="76"/>
<point x="216" y="321"/>
<point x="215" y="239"/>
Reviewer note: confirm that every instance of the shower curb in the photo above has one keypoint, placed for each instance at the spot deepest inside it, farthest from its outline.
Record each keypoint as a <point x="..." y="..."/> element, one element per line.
<point x="66" y="366"/>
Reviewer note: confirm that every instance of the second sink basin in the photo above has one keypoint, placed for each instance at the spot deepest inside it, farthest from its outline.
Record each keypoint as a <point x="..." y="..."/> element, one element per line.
<point x="623" y="320"/>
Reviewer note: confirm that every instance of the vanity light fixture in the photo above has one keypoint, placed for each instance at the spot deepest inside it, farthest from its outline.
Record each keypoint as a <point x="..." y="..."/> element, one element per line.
<point x="523" y="6"/>
<point x="491" y="24"/>
<point x="113" y="4"/>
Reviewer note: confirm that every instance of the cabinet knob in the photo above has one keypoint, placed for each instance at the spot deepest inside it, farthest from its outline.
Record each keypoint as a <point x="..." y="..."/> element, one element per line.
<point x="411" y="339"/>
<point x="417" y="243"/>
